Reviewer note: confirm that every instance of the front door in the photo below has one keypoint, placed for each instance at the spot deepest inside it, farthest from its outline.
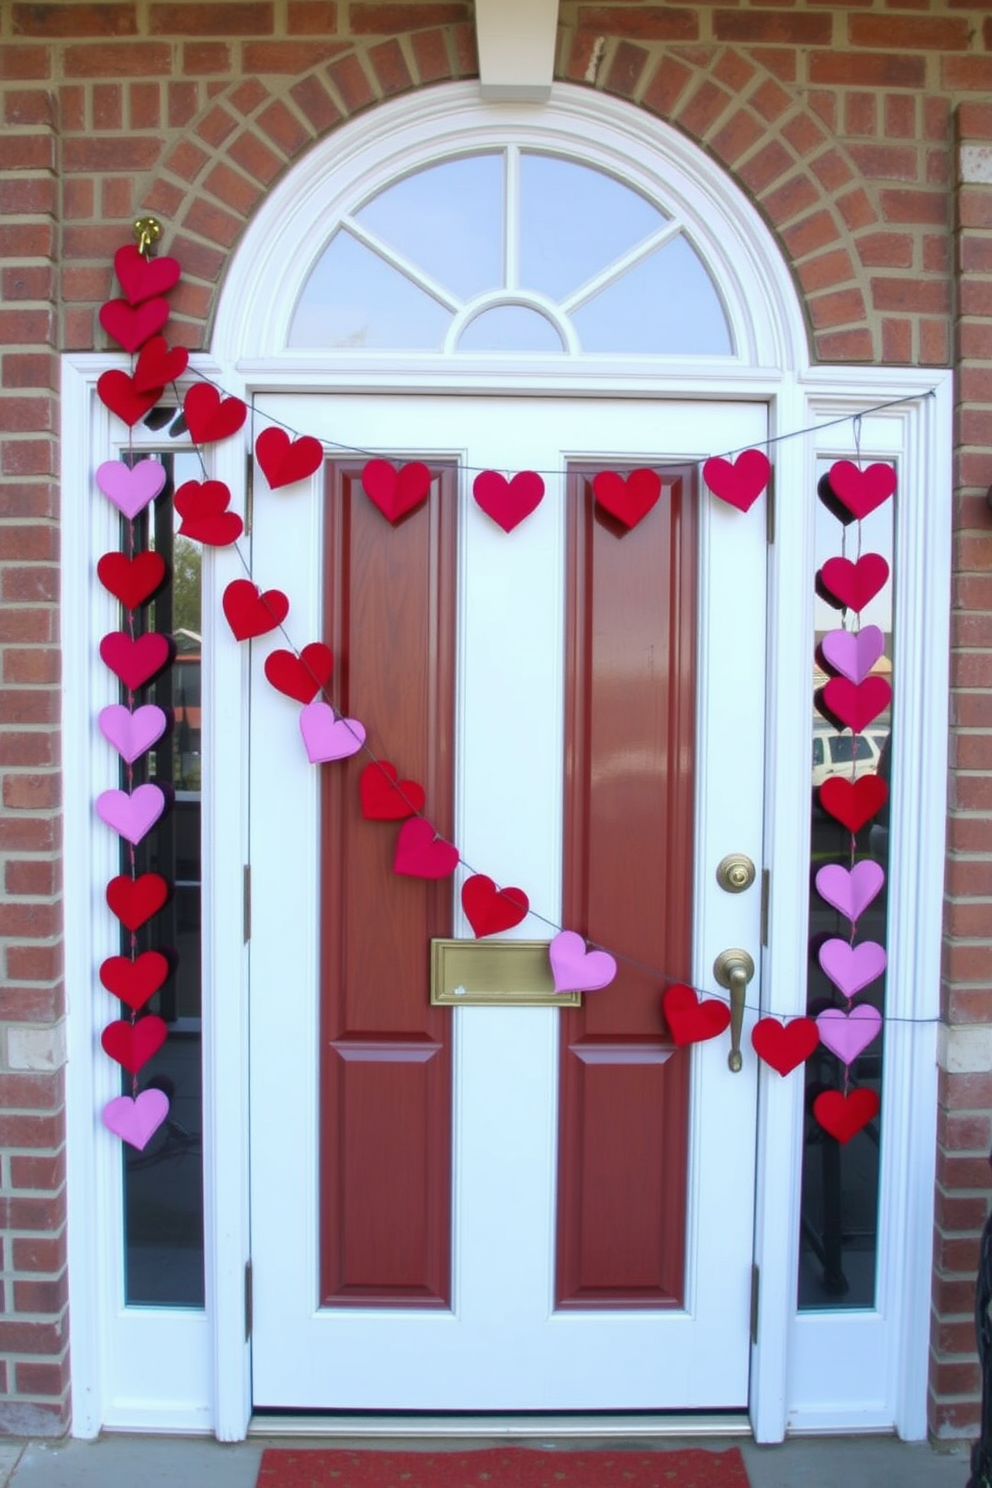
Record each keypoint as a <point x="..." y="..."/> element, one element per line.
<point x="505" y="1208"/>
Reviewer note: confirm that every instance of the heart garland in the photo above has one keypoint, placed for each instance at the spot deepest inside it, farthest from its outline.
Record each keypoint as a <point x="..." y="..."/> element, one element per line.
<point x="852" y="698"/>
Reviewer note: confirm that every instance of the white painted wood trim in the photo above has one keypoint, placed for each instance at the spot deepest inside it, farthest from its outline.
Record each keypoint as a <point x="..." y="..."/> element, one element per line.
<point x="516" y="41"/>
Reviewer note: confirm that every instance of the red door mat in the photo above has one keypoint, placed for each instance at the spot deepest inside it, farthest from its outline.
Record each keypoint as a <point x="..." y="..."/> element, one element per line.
<point x="502" y="1467"/>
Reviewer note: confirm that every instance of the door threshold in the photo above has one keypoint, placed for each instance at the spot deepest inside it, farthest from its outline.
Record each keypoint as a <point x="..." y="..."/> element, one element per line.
<point x="499" y="1427"/>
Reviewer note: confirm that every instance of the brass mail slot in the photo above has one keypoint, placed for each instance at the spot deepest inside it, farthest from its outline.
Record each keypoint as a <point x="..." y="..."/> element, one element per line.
<point x="495" y="973"/>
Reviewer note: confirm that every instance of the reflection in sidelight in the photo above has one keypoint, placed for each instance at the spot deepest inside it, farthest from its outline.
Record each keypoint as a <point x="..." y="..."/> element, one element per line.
<point x="163" y="1185"/>
<point x="839" y="1214"/>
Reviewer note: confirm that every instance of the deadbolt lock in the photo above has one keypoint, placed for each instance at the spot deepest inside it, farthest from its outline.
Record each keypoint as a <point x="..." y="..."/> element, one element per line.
<point x="735" y="873"/>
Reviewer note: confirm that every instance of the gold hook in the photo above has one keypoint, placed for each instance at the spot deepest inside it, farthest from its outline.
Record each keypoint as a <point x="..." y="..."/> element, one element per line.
<point x="147" y="230"/>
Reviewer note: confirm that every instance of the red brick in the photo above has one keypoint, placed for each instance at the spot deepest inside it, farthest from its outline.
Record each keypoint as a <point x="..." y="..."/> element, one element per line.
<point x="370" y="19"/>
<point x="232" y="189"/>
<point x="212" y="222"/>
<point x="909" y="33"/>
<point x="842" y="307"/>
<point x="29" y="194"/>
<point x="31" y="1092"/>
<point x="75" y="20"/>
<point x="24" y="1130"/>
<point x="134" y="152"/>
<point x="215" y="126"/>
<point x="267" y="57"/>
<point x="352" y="84"/>
<point x="23" y="63"/>
<point x="845" y="346"/>
<point x="771" y="100"/>
<point x="32" y="1338"/>
<point x="29" y="834"/>
<point x="956" y="1379"/>
<point x="184" y="100"/>
<point x="34" y="963"/>
<point x="900" y="116"/>
<point x="785" y="202"/>
<point x="40" y="1379"/>
<point x="117" y="198"/>
<point x="737" y="136"/>
<point x="283" y="128"/>
<point x="72" y="108"/>
<point x="846" y="69"/>
<point x="29" y="793"/>
<point x="25" y="106"/>
<point x="768" y="25"/>
<point x="202" y="58"/>
<point x="107" y="106"/>
<point x="315" y="103"/>
<point x="27" y="152"/>
<point x="430" y="55"/>
<point x="831" y="169"/>
<point x="966" y="72"/>
<point x="826" y="270"/>
<point x="255" y="157"/>
<point x="145" y="110"/>
<point x="48" y="1296"/>
<point x="973" y="208"/>
<point x="27" y="282"/>
<point x="975" y="121"/>
<point x="312" y="17"/>
<point x="233" y="18"/>
<point x="247" y="96"/>
<point x="886" y="162"/>
<point x="28" y="457"/>
<point x="390" y="68"/>
<point x="126" y="59"/>
<point x="909" y="293"/>
<point x="45" y="1254"/>
<point x="886" y="250"/>
<point x="734" y="71"/>
<point x="666" y="87"/>
<point x="33" y="877"/>
<point x="702" y="109"/>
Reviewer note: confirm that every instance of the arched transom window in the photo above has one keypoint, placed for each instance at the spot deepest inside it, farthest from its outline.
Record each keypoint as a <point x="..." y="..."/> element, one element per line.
<point x="512" y="250"/>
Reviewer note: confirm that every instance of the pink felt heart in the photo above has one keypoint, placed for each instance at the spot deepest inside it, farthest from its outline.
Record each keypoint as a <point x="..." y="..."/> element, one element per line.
<point x="857" y="704"/>
<point x="131" y="815"/>
<point x="130" y="488"/>
<point x="135" y="660"/>
<point x="508" y="502"/>
<point x="739" y="482"/>
<point x="284" y="460"/>
<point x="132" y="734"/>
<point x="328" y="737"/>
<point x="850" y="890"/>
<point x="422" y="853"/>
<point x="852" y="968"/>
<point x="854" y="585"/>
<point x="142" y="277"/>
<point x="136" y="1121"/>
<point x="848" y="1034"/>
<point x="575" y="969"/>
<point x="853" y="653"/>
<point x="629" y="498"/>
<point x="861" y="490"/>
<point x="396" y="491"/>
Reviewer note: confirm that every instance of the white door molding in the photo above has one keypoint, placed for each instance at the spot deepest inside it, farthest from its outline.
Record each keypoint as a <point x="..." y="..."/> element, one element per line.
<point x="516" y="41"/>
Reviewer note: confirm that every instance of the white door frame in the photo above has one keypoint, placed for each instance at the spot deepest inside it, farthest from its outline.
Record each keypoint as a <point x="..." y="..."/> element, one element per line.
<point x="791" y="1373"/>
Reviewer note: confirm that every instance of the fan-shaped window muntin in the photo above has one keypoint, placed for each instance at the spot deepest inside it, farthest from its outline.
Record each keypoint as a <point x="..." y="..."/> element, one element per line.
<point x="511" y="252"/>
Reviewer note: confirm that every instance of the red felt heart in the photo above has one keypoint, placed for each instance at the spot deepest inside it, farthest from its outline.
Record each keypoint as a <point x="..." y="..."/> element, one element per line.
<point x="284" y="460"/>
<point x="843" y="1116"/>
<point x="396" y="491"/>
<point x="861" y="491"/>
<point x="739" y="482"/>
<point x="141" y="277"/>
<point x="508" y="502"/>
<point x="134" y="982"/>
<point x="135" y="660"/>
<point x="202" y="505"/>
<point x="209" y="416"/>
<point x="853" y="802"/>
<point x="384" y="797"/>
<point x="300" y="677"/>
<point x="133" y="1044"/>
<point x="131" y="580"/>
<point x="857" y="703"/>
<point x="131" y="327"/>
<point x="421" y="853"/>
<point x="628" y="498"/>
<point x="691" y="1020"/>
<point x="854" y="584"/>
<point x="135" y="900"/>
<point x="784" y="1046"/>
<point x="490" y="909"/>
<point x="158" y="365"/>
<point x="116" y="390"/>
<point x="250" y="612"/>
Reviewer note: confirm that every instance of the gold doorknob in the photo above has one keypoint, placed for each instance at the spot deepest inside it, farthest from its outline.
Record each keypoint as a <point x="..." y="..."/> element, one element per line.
<point x="733" y="969"/>
<point x="735" y="873"/>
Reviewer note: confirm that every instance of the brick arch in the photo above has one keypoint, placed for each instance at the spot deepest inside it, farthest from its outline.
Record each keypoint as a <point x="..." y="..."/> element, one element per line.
<point x="775" y="147"/>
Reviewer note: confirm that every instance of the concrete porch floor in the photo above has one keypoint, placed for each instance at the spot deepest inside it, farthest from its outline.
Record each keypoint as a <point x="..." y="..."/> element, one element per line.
<point x="185" y="1462"/>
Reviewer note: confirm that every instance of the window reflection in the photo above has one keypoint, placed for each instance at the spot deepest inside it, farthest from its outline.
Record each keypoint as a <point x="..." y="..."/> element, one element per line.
<point x="840" y="1182"/>
<point x="163" y="1184"/>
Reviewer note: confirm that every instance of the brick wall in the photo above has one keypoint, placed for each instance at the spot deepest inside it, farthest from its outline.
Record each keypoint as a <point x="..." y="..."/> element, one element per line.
<point x="839" y="119"/>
